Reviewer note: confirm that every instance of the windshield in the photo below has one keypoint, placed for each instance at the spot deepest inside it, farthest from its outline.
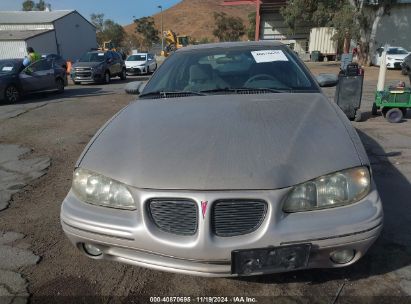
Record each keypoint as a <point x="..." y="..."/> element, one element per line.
<point x="9" y="67"/>
<point x="397" y="51"/>
<point x="215" y="69"/>
<point x="92" y="57"/>
<point x="137" y="58"/>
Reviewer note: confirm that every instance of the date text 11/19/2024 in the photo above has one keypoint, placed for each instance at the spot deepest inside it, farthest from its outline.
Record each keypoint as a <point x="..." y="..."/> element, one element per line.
<point x="203" y="299"/>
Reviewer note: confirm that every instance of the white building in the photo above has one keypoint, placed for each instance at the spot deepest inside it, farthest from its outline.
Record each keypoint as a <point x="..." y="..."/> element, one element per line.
<point x="66" y="33"/>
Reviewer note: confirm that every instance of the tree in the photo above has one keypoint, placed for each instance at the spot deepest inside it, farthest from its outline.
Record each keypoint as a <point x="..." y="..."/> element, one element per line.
<point x="28" y="5"/>
<point x="146" y="27"/>
<point x="98" y="21"/>
<point x="41" y="5"/>
<point x="351" y="18"/>
<point x="113" y="32"/>
<point x="251" y="27"/>
<point x="107" y="30"/>
<point x="228" y="28"/>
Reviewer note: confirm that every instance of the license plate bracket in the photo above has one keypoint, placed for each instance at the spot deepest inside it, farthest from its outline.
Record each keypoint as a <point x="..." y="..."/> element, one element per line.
<point x="270" y="260"/>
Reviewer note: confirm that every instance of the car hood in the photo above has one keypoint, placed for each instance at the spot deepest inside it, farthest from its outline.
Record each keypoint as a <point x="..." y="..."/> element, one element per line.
<point x="401" y="56"/>
<point x="86" y="64"/>
<point x="135" y="63"/>
<point x="223" y="142"/>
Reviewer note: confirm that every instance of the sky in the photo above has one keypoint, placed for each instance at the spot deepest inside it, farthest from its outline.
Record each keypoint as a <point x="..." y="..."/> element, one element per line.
<point x="121" y="11"/>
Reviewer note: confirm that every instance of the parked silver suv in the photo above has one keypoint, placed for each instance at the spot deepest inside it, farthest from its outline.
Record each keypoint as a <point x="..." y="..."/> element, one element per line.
<point x="98" y="66"/>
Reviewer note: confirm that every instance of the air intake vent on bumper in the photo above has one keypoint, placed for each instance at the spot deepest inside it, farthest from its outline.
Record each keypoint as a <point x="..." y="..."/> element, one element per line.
<point x="174" y="216"/>
<point x="237" y="217"/>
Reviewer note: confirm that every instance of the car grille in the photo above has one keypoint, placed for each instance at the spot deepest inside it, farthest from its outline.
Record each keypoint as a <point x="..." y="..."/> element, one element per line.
<point x="237" y="217"/>
<point x="83" y="72"/>
<point x="174" y="216"/>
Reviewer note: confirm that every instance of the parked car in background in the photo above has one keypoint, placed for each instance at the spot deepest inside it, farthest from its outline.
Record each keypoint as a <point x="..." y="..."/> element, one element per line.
<point x="15" y="80"/>
<point x="395" y="57"/>
<point x="98" y="66"/>
<point x="406" y="65"/>
<point x="57" y="59"/>
<point x="232" y="162"/>
<point x="141" y="63"/>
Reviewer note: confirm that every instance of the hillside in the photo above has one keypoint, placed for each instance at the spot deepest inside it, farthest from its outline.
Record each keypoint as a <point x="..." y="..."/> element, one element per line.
<point x="195" y="17"/>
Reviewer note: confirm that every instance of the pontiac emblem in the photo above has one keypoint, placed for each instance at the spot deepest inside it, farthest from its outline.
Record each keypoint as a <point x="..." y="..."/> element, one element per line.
<point x="204" y="208"/>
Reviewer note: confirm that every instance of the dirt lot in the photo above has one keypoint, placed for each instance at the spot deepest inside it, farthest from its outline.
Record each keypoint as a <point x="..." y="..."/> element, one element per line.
<point x="59" y="126"/>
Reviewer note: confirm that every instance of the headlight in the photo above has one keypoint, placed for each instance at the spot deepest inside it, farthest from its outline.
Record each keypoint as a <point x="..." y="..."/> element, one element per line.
<point x="333" y="190"/>
<point x="99" y="190"/>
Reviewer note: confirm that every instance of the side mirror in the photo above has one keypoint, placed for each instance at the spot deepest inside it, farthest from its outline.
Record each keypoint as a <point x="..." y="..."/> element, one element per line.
<point x="109" y="60"/>
<point x="135" y="87"/>
<point x="327" y="80"/>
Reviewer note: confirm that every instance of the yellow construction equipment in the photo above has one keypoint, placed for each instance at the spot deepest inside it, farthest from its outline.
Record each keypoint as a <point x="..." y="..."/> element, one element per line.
<point x="173" y="42"/>
<point x="107" y="46"/>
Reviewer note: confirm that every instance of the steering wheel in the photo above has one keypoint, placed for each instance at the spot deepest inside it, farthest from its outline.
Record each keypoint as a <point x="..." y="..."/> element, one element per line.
<point x="261" y="77"/>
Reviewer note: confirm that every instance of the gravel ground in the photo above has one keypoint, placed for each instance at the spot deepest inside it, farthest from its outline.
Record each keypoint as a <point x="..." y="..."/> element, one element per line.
<point x="59" y="126"/>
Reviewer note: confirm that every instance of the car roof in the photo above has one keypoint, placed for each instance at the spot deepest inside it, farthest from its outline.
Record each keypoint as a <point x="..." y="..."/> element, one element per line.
<point x="238" y="44"/>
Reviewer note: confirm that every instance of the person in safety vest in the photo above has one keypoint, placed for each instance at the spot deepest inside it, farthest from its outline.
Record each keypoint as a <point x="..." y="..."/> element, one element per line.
<point x="31" y="57"/>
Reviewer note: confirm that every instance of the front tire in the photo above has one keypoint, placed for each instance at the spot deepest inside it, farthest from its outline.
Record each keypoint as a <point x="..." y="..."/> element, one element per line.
<point x="11" y="94"/>
<point x="60" y="85"/>
<point x="394" y="115"/>
<point x="123" y="75"/>
<point x="106" y="77"/>
<point x="374" y="110"/>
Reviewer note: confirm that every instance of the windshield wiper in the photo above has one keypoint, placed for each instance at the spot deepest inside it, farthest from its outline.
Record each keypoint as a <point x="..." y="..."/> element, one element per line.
<point x="171" y="94"/>
<point x="242" y="90"/>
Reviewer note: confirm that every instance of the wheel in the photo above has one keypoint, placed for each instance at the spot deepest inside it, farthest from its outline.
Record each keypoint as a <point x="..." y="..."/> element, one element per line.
<point x="172" y="47"/>
<point x="123" y="75"/>
<point x="155" y="68"/>
<point x="404" y="71"/>
<point x="106" y="77"/>
<point x="394" y="115"/>
<point x="374" y="110"/>
<point x="358" y="116"/>
<point x="11" y="94"/>
<point x="60" y="85"/>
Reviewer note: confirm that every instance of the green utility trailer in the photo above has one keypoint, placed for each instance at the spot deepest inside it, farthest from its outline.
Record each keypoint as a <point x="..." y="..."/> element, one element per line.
<point x="393" y="103"/>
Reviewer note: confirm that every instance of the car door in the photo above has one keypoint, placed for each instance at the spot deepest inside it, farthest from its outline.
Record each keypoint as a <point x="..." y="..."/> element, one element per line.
<point x="117" y="60"/>
<point x="38" y="76"/>
<point x="110" y="63"/>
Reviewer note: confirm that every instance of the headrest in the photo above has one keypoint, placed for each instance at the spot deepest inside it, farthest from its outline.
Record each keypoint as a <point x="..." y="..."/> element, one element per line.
<point x="201" y="72"/>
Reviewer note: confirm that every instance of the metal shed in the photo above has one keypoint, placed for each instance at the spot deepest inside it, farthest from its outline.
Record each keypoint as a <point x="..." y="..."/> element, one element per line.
<point x="66" y="33"/>
<point x="270" y="24"/>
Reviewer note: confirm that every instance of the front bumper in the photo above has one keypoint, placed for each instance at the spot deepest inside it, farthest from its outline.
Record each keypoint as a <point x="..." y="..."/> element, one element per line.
<point x="87" y="77"/>
<point x="394" y="64"/>
<point x="136" y="70"/>
<point x="131" y="237"/>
